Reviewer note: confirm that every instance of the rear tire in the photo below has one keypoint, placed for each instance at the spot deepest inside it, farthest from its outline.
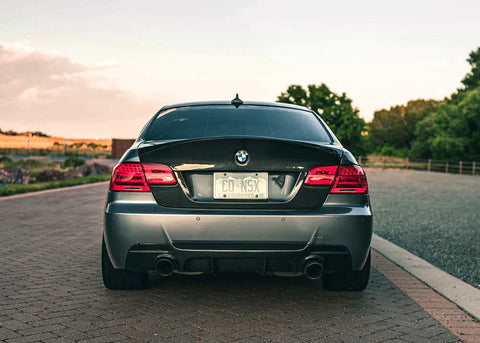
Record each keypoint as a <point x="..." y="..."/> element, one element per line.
<point x="348" y="281"/>
<point x="120" y="278"/>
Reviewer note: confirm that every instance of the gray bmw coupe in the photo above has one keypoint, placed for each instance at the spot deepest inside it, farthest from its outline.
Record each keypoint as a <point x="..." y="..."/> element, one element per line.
<point x="237" y="186"/>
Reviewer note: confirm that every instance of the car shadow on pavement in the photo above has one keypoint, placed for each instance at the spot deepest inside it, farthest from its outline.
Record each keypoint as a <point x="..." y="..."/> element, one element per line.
<point x="229" y="307"/>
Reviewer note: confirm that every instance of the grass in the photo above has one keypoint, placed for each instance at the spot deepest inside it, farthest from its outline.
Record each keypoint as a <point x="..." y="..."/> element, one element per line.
<point x="35" y="168"/>
<point x="32" y="165"/>
<point x="35" y="187"/>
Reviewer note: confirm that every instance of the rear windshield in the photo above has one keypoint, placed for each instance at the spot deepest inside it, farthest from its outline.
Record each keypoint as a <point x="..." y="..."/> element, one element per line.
<point x="220" y="121"/>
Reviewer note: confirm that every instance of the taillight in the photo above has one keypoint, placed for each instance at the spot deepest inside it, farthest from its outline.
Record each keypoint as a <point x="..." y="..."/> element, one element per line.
<point x="345" y="179"/>
<point x="128" y="177"/>
<point x="350" y="179"/>
<point x="159" y="174"/>
<point x="136" y="177"/>
<point x="321" y="176"/>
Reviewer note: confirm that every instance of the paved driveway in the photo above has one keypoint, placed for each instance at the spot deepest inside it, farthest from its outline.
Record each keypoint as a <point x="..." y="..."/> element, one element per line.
<point x="51" y="290"/>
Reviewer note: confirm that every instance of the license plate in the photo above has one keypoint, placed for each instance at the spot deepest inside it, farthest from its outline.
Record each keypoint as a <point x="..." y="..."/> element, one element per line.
<point x="240" y="185"/>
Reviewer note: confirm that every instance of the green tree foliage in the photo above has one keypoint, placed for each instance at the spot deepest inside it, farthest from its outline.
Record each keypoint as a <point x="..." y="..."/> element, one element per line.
<point x="336" y="110"/>
<point x="472" y="79"/>
<point x="93" y="146"/>
<point x="449" y="129"/>
<point x="77" y="145"/>
<point x="453" y="131"/>
<point x="392" y="131"/>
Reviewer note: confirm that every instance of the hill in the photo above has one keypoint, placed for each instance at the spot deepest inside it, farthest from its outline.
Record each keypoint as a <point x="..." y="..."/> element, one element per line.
<point x="20" y="142"/>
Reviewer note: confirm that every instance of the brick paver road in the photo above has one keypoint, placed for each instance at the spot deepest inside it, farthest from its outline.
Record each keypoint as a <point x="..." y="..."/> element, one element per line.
<point x="51" y="291"/>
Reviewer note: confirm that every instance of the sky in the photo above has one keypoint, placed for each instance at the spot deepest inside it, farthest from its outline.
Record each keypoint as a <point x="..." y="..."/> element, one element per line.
<point x="103" y="68"/>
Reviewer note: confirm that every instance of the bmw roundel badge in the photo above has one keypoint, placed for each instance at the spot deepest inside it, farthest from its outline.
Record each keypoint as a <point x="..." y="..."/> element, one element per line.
<point x="241" y="157"/>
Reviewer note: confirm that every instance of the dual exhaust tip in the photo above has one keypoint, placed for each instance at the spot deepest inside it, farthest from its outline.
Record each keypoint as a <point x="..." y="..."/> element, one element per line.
<point x="312" y="266"/>
<point x="165" y="265"/>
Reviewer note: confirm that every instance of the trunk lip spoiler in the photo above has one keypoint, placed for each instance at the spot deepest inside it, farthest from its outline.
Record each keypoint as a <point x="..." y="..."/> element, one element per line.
<point x="330" y="146"/>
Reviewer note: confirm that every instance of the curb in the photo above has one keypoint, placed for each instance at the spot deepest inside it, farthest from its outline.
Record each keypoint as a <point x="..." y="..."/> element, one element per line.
<point x="460" y="293"/>
<point x="53" y="190"/>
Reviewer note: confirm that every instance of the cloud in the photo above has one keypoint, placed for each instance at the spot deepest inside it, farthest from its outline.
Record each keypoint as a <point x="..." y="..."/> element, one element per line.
<point x="41" y="90"/>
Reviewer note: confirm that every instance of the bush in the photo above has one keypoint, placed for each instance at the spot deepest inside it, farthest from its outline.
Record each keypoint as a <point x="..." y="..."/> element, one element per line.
<point x="390" y="151"/>
<point x="34" y="187"/>
<point x="73" y="162"/>
<point x="5" y="160"/>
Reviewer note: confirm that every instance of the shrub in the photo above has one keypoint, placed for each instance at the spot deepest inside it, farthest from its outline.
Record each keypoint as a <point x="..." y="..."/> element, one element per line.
<point x="72" y="162"/>
<point x="5" y="160"/>
<point x="390" y="151"/>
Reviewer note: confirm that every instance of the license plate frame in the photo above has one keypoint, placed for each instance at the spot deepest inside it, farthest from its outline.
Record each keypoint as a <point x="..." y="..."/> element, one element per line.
<point x="240" y="186"/>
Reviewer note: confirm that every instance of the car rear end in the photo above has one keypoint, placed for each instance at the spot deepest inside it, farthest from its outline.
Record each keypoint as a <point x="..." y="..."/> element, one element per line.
<point x="261" y="188"/>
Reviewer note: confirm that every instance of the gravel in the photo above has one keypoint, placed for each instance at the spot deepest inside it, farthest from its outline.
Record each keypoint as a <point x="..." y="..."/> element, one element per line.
<point x="433" y="215"/>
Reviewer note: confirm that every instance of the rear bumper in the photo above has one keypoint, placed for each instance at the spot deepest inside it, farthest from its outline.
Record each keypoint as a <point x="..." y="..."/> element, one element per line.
<point x="144" y="256"/>
<point x="138" y="231"/>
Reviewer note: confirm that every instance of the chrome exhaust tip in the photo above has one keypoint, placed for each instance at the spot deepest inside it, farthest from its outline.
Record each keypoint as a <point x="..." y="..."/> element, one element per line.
<point x="313" y="269"/>
<point x="165" y="266"/>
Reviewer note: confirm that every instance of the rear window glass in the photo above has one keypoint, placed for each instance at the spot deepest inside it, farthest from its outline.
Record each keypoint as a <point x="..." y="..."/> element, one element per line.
<point x="219" y="121"/>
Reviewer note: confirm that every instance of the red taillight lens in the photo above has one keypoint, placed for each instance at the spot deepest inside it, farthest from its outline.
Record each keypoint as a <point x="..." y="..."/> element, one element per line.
<point x="136" y="177"/>
<point x="350" y="179"/>
<point x="128" y="177"/>
<point x="159" y="174"/>
<point x="321" y="176"/>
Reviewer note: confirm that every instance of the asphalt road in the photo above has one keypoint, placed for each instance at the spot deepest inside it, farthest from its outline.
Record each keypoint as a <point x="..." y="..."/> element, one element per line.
<point x="51" y="291"/>
<point x="435" y="216"/>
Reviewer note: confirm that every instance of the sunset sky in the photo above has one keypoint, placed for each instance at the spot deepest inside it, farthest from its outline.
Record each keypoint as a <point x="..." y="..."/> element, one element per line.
<point x="102" y="68"/>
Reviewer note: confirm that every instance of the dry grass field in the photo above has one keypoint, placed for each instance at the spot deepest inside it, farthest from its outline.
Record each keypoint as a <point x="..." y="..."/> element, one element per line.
<point x="20" y="142"/>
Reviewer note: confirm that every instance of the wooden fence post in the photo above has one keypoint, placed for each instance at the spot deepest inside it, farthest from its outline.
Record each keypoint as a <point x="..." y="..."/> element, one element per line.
<point x="360" y="160"/>
<point x="446" y="167"/>
<point x="429" y="164"/>
<point x="383" y="163"/>
<point x="460" y="165"/>
<point x="408" y="162"/>
<point x="473" y="168"/>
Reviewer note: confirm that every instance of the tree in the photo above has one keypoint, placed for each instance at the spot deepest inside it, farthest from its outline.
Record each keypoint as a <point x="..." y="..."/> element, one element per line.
<point x="393" y="130"/>
<point x="37" y="133"/>
<point x="472" y="79"/>
<point x="93" y="146"/>
<point x="388" y="128"/>
<point x="77" y="146"/>
<point x="336" y="110"/>
<point x="453" y="131"/>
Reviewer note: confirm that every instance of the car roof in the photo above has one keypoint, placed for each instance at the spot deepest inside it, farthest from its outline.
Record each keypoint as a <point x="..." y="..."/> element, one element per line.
<point x="245" y="103"/>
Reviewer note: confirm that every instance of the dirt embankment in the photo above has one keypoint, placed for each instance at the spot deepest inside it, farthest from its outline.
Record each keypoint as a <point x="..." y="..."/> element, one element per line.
<point x="20" y="142"/>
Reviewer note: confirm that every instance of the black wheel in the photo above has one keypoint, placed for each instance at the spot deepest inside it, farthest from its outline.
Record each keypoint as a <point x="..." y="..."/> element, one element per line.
<point x="348" y="281"/>
<point x="119" y="278"/>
